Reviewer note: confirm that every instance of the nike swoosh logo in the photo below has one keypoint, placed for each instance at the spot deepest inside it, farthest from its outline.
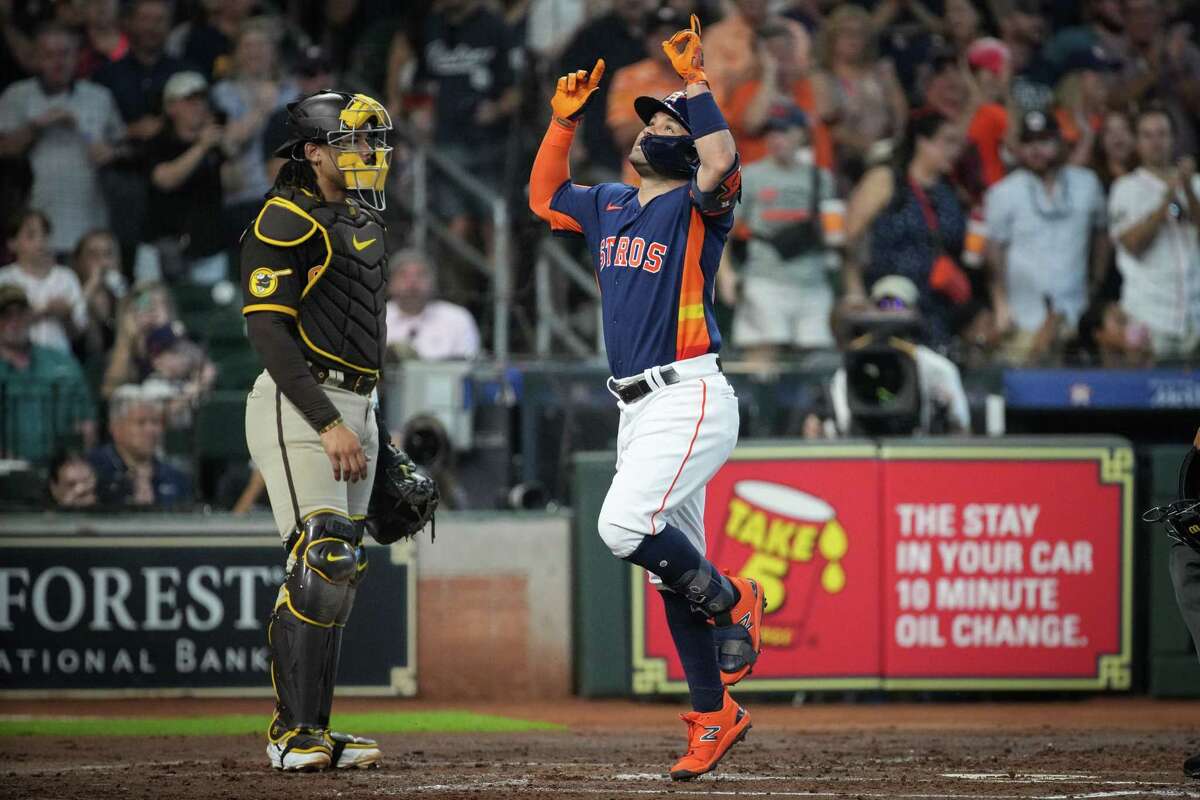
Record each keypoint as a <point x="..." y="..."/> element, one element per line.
<point x="361" y="245"/>
<point x="331" y="556"/>
<point x="611" y="207"/>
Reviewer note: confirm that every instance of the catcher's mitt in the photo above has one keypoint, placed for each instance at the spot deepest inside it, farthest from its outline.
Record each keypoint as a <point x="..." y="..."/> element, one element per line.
<point x="403" y="498"/>
<point x="1182" y="517"/>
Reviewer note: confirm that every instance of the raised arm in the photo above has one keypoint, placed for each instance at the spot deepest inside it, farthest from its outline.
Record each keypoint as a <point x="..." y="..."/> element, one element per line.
<point x="714" y="142"/>
<point x="552" y="166"/>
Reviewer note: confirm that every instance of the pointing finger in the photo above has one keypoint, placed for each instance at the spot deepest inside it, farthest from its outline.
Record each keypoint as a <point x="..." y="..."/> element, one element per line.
<point x="695" y="25"/>
<point x="597" y="73"/>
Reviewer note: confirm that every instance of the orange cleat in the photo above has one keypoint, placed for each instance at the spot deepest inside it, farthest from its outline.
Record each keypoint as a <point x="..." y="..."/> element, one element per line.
<point x="710" y="735"/>
<point x="739" y="631"/>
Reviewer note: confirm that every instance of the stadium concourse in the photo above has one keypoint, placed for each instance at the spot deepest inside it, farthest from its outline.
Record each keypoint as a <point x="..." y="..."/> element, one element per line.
<point x="616" y="749"/>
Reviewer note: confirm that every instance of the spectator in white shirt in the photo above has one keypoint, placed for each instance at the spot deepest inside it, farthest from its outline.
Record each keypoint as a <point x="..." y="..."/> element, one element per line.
<point x="1047" y="247"/>
<point x="68" y="129"/>
<point x="1153" y="216"/>
<point x="53" y="291"/>
<point x="418" y="326"/>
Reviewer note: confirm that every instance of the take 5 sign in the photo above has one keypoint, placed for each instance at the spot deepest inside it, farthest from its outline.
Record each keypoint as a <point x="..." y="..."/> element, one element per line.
<point x="947" y="566"/>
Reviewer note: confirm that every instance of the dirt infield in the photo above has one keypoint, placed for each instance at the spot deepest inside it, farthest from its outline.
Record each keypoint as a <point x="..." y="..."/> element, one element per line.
<point x="1070" y="749"/>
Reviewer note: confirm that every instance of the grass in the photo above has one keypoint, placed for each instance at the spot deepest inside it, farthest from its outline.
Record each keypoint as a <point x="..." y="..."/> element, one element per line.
<point x="235" y="724"/>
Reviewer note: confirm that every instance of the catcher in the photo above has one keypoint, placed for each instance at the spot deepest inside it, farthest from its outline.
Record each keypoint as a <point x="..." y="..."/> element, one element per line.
<point x="313" y="267"/>
<point x="1182" y="521"/>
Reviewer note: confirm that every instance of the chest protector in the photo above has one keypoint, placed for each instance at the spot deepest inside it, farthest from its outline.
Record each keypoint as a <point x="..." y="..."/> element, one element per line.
<point x="343" y="307"/>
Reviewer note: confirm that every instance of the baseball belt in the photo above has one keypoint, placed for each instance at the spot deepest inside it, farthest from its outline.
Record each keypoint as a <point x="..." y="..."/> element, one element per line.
<point x="635" y="390"/>
<point x="359" y="383"/>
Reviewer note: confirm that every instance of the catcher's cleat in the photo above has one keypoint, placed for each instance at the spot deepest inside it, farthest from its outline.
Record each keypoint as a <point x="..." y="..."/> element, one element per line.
<point x="298" y="750"/>
<point x="739" y="631"/>
<point x="710" y="735"/>
<point x="353" y="752"/>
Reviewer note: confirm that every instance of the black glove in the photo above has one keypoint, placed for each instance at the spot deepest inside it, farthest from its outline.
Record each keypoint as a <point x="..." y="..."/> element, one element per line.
<point x="1182" y="517"/>
<point x="403" y="498"/>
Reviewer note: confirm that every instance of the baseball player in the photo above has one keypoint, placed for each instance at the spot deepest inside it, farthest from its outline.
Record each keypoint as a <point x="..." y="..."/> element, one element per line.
<point x="655" y="250"/>
<point x="313" y="268"/>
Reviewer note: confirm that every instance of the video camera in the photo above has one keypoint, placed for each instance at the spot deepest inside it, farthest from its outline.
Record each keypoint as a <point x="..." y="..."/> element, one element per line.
<point x="883" y="389"/>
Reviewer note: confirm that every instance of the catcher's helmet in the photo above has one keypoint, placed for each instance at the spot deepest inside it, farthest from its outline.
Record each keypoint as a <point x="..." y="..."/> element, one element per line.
<point x="674" y="156"/>
<point x="356" y="127"/>
<point x="1182" y="517"/>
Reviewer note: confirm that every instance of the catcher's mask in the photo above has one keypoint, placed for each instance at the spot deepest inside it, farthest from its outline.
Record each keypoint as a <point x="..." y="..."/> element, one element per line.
<point x="672" y="156"/>
<point x="355" y="126"/>
<point x="1182" y="517"/>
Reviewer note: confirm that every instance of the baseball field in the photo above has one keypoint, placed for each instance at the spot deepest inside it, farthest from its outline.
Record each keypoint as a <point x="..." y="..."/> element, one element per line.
<point x="213" y="750"/>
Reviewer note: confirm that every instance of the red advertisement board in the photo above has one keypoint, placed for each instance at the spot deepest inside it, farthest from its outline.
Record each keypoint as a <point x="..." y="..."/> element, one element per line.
<point x="958" y="566"/>
<point x="805" y="524"/>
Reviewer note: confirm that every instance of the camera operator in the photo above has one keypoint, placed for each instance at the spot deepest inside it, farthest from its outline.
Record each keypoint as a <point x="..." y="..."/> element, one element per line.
<point x="908" y="387"/>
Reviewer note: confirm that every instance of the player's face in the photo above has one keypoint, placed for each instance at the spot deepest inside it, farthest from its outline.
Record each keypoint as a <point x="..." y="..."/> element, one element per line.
<point x="661" y="124"/>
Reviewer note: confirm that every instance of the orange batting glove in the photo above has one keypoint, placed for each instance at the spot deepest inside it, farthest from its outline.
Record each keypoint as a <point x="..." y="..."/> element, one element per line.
<point x="574" y="91"/>
<point x="686" y="55"/>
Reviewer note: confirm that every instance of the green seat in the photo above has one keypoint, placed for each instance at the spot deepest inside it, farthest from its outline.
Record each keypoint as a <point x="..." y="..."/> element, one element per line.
<point x="237" y="370"/>
<point x="190" y="297"/>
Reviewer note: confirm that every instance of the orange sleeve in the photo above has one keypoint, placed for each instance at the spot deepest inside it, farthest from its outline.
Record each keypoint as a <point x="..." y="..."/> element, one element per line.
<point x="551" y="169"/>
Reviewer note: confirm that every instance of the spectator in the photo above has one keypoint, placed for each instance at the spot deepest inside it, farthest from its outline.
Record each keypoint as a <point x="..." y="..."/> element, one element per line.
<point x="616" y="37"/>
<point x="653" y="76"/>
<point x="68" y="128"/>
<point x="1116" y="154"/>
<point x="53" y="291"/>
<point x="1103" y="26"/>
<point x="183" y="235"/>
<point x="180" y="373"/>
<point x="1024" y="32"/>
<point x="97" y="266"/>
<point x="136" y="82"/>
<point x="786" y="294"/>
<point x="1082" y="98"/>
<point x="785" y="79"/>
<point x="1107" y="338"/>
<point x="247" y="96"/>
<point x="44" y="399"/>
<point x="731" y="45"/>
<point x="128" y="469"/>
<point x="465" y="67"/>
<point x="989" y="62"/>
<point x="72" y="481"/>
<point x="962" y="24"/>
<point x="1045" y="225"/>
<point x="103" y="40"/>
<point x="147" y="307"/>
<point x="420" y="326"/>
<point x="1163" y="68"/>
<point x="943" y="402"/>
<point x="913" y="224"/>
<point x="1153" y="217"/>
<point x="208" y="44"/>
<point x="858" y="94"/>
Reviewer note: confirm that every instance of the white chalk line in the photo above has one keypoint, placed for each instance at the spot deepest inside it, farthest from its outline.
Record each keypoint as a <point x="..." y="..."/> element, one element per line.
<point x="523" y="785"/>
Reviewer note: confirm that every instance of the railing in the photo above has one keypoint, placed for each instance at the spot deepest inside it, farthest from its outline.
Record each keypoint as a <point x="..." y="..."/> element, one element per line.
<point x="428" y="165"/>
<point x="552" y="320"/>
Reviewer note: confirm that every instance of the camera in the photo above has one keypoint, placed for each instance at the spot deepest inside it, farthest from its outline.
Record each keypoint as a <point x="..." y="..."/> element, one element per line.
<point x="883" y="389"/>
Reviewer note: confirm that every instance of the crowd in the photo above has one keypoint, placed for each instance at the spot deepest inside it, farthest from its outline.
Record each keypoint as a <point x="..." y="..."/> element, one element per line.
<point x="1027" y="166"/>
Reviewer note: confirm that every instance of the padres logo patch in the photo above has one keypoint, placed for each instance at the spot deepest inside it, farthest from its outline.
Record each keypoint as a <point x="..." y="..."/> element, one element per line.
<point x="264" y="281"/>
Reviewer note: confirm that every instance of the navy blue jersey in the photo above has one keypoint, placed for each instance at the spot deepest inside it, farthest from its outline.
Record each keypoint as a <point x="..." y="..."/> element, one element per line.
<point x="656" y="266"/>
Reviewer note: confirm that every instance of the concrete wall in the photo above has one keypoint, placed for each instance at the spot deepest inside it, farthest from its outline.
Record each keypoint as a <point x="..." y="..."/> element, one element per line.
<point x="494" y="608"/>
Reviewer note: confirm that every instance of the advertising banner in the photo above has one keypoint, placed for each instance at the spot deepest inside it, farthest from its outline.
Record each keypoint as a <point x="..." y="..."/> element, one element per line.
<point x="959" y="566"/>
<point x="804" y="523"/>
<point x="180" y="614"/>
<point x="1006" y="567"/>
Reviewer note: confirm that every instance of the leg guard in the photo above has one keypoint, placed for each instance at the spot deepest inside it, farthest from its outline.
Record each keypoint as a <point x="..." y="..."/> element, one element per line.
<point x="706" y="589"/>
<point x="329" y="677"/>
<point x="303" y="634"/>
